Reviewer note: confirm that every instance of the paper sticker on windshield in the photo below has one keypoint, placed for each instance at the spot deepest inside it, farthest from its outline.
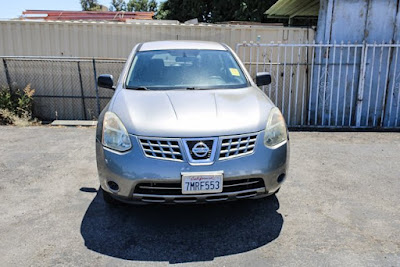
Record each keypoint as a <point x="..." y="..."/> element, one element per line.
<point x="234" y="72"/>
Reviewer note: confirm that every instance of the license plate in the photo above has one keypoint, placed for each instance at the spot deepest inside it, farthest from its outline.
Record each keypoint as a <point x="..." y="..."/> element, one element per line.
<point x="202" y="182"/>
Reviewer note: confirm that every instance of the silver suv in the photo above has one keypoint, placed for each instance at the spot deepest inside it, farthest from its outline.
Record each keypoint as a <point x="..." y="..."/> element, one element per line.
<point x="187" y="124"/>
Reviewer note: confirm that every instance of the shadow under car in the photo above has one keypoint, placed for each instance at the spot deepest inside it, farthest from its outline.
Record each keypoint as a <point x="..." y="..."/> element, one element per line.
<point x="180" y="233"/>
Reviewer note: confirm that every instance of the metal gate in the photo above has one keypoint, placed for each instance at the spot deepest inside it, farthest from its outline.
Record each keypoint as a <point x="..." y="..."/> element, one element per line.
<point x="339" y="85"/>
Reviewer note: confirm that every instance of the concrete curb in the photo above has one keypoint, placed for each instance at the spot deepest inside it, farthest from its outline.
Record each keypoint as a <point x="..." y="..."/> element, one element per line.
<point x="73" y="123"/>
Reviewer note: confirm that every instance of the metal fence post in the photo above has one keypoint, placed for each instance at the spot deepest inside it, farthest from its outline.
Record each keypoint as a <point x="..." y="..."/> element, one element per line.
<point x="82" y="94"/>
<point x="360" y="94"/>
<point x="96" y="87"/>
<point x="7" y="74"/>
<point x="310" y="84"/>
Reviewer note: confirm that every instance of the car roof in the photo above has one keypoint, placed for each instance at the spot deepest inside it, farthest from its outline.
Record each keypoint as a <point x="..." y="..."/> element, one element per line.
<point x="180" y="44"/>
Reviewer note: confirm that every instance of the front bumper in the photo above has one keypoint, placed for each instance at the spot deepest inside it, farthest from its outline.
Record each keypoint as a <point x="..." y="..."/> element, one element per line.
<point x="131" y="169"/>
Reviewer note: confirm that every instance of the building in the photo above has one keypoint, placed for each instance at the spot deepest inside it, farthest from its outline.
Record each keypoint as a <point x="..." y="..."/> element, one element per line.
<point x="60" y="15"/>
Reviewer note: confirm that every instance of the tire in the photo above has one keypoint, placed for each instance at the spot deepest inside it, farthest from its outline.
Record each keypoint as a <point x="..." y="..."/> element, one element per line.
<point x="109" y="199"/>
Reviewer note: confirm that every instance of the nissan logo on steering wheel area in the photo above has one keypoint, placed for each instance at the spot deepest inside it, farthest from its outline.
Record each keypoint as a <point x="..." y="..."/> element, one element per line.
<point x="200" y="149"/>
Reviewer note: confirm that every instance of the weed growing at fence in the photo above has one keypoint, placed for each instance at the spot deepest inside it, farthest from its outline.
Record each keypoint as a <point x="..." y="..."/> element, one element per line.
<point x="16" y="106"/>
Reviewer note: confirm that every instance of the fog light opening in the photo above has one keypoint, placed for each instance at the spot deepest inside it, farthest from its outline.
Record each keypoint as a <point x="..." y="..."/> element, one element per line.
<point x="281" y="178"/>
<point x="113" y="185"/>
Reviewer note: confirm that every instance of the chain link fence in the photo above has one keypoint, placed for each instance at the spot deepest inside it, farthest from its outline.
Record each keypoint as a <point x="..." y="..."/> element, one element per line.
<point x="65" y="88"/>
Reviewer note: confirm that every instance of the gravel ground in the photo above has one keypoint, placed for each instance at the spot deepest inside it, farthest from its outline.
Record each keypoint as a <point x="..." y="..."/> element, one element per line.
<point x="339" y="206"/>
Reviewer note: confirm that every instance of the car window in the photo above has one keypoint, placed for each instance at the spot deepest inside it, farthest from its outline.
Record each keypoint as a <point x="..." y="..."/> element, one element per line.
<point x="177" y="69"/>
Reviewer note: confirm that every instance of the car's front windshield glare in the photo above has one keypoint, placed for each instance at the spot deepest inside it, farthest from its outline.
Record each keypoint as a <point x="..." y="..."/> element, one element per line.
<point x="184" y="69"/>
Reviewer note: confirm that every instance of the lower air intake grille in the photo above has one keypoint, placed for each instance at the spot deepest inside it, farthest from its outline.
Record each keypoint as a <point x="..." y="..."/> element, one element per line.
<point x="159" y="188"/>
<point x="175" y="188"/>
<point x="243" y="184"/>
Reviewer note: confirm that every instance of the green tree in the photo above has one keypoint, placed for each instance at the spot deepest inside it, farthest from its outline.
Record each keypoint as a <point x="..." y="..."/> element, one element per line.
<point x="90" y="5"/>
<point x="183" y="10"/>
<point x="215" y="10"/>
<point x="152" y="6"/>
<point x="118" y="5"/>
<point x="163" y="11"/>
<point x="142" y="5"/>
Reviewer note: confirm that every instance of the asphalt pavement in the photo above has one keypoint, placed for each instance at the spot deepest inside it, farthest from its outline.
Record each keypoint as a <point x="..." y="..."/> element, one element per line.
<point x="338" y="207"/>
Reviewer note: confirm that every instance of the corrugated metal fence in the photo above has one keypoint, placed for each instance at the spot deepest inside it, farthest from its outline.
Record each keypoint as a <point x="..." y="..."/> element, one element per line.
<point x="330" y="85"/>
<point x="116" y="39"/>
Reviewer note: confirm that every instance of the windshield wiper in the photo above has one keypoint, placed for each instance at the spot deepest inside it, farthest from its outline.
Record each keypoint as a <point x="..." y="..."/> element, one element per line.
<point x="196" y="88"/>
<point x="137" y="87"/>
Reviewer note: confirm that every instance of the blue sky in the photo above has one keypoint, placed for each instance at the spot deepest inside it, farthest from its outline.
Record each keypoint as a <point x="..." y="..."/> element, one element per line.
<point x="13" y="8"/>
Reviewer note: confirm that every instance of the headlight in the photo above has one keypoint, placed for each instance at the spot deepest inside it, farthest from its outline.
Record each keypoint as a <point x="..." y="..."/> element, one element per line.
<point x="115" y="135"/>
<point x="275" y="132"/>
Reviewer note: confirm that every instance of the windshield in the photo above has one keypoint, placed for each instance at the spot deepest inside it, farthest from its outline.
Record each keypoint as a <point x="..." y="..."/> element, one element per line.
<point x="184" y="69"/>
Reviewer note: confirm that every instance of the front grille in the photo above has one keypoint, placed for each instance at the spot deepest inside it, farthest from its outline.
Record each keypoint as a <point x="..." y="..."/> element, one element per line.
<point x="175" y="188"/>
<point x="198" y="151"/>
<point x="235" y="146"/>
<point x="167" y="149"/>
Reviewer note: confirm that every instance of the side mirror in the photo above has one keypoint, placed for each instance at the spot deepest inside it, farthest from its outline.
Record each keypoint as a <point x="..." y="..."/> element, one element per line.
<point x="106" y="81"/>
<point x="263" y="78"/>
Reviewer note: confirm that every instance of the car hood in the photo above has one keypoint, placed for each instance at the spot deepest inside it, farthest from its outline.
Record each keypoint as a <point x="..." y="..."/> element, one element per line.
<point x="194" y="113"/>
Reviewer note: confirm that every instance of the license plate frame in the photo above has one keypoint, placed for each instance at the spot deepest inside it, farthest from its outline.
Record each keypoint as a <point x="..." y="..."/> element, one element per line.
<point x="206" y="182"/>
